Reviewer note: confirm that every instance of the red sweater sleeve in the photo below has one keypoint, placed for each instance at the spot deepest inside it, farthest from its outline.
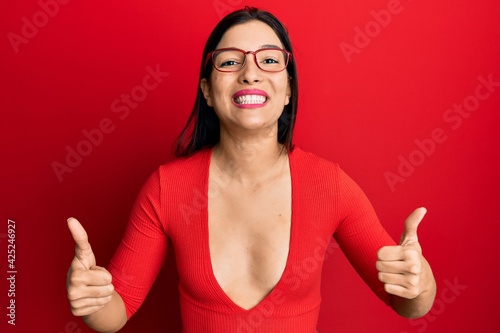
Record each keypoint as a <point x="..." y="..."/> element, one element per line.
<point x="360" y="234"/>
<point x="142" y="251"/>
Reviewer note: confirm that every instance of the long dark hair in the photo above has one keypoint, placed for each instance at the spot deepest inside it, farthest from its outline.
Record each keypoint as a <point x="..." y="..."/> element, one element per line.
<point x="203" y="128"/>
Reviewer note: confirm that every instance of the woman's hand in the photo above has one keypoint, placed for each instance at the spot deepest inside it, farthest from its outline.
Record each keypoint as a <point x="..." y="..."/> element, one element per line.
<point x="406" y="273"/>
<point x="89" y="286"/>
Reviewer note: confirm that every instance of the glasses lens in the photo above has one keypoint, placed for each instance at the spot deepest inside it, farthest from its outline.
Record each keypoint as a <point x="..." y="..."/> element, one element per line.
<point x="228" y="60"/>
<point x="271" y="60"/>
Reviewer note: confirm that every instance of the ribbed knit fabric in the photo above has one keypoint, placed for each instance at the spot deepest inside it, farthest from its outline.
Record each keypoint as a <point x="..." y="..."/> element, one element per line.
<point x="173" y="206"/>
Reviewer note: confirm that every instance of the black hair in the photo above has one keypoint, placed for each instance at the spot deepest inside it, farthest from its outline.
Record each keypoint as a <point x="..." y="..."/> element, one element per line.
<point x="203" y="127"/>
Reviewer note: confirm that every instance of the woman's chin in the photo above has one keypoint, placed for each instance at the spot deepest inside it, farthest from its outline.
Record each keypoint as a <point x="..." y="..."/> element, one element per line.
<point x="254" y="126"/>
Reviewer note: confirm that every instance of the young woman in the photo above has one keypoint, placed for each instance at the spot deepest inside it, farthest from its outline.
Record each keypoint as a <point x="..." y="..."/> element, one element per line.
<point x="249" y="214"/>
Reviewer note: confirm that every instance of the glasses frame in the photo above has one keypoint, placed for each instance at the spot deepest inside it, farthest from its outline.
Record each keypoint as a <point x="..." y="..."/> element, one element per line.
<point x="210" y="56"/>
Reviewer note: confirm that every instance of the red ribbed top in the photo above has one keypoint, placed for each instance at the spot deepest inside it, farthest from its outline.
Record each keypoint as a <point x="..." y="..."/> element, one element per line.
<point x="173" y="206"/>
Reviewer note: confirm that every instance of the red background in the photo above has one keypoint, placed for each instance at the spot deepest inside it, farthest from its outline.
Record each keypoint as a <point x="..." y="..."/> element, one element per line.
<point x="364" y="114"/>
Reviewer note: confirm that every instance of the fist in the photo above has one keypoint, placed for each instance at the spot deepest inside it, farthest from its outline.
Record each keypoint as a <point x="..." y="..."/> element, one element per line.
<point x="400" y="267"/>
<point x="89" y="286"/>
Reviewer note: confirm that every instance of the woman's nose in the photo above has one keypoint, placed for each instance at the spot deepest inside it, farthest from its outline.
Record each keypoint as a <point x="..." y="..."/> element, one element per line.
<point x="250" y="73"/>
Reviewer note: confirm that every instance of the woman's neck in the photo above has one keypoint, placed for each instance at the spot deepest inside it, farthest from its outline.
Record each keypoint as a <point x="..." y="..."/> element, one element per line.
<point x="250" y="161"/>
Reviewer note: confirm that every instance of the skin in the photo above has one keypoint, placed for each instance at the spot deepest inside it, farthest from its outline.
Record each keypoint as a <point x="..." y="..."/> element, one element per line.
<point x="250" y="217"/>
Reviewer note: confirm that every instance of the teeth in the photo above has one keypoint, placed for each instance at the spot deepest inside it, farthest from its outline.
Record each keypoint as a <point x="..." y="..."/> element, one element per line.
<point x="250" y="99"/>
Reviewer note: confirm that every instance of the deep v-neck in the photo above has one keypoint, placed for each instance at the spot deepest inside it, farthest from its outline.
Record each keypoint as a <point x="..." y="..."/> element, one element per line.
<point x="206" y="239"/>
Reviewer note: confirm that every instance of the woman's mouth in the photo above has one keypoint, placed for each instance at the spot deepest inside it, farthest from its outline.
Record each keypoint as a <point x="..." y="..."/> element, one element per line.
<point x="250" y="98"/>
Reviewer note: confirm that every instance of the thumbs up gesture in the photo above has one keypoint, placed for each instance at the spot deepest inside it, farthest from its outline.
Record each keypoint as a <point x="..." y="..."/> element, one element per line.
<point x="402" y="268"/>
<point x="89" y="286"/>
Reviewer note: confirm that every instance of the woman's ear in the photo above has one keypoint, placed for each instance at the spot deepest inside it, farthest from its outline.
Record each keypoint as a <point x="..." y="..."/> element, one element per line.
<point x="205" y="88"/>
<point x="288" y="92"/>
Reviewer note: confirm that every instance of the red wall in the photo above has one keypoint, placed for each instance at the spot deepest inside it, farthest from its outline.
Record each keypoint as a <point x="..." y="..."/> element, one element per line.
<point x="401" y="104"/>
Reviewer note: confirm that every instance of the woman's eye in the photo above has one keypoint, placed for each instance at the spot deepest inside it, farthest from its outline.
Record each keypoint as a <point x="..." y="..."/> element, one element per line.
<point x="228" y="63"/>
<point x="270" y="61"/>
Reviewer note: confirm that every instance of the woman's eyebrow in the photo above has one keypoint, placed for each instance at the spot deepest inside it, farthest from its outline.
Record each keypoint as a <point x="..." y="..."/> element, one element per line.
<point x="270" y="46"/>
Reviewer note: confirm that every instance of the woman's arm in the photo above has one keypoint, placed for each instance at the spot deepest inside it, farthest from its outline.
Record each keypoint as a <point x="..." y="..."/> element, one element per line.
<point x="406" y="274"/>
<point x="401" y="277"/>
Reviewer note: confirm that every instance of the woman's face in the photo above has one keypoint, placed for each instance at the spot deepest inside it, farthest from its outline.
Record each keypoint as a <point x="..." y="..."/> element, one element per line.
<point x="223" y="90"/>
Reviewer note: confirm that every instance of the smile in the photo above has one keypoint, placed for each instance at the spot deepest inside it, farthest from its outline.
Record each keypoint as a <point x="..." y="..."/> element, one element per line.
<point x="250" y="99"/>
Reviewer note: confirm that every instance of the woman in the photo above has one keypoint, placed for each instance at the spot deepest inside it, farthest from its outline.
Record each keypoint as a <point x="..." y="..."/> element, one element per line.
<point x="248" y="214"/>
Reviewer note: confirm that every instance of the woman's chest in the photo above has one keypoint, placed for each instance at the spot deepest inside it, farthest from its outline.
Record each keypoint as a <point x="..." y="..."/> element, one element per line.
<point x="249" y="238"/>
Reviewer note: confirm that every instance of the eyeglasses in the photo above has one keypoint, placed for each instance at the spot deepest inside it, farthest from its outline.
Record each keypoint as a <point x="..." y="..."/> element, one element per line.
<point x="233" y="59"/>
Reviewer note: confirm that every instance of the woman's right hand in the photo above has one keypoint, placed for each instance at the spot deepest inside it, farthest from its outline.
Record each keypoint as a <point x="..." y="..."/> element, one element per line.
<point x="89" y="286"/>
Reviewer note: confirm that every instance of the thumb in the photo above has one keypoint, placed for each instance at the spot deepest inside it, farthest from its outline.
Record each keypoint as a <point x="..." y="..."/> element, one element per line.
<point x="411" y="224"/>
<point x="83" y="250"/>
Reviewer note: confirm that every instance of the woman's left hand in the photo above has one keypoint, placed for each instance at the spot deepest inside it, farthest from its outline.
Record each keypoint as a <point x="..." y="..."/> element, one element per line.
<point x="402" y="268"/>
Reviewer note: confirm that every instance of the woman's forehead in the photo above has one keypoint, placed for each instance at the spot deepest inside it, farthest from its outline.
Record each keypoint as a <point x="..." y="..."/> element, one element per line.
<point x="250" y="36"/>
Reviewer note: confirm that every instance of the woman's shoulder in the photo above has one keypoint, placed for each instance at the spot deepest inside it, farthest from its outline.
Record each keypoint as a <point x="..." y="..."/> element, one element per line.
<point x="192" y="164"/>
<point x="181" y="173"/>
<point x="311" y="161"/>
<point x="320" y="174"/>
